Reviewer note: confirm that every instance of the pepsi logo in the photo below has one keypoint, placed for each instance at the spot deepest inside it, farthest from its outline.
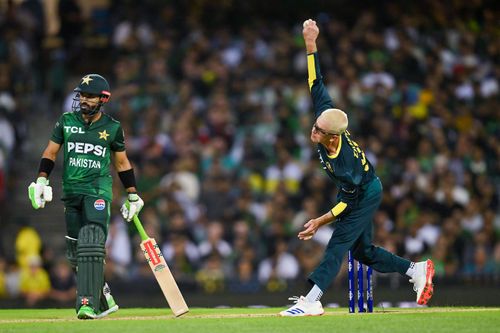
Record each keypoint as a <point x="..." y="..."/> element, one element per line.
<point x="100" y="204"/>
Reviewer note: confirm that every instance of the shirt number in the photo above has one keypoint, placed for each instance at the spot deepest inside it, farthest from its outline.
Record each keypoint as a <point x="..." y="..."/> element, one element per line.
<point x="358" y="153"/>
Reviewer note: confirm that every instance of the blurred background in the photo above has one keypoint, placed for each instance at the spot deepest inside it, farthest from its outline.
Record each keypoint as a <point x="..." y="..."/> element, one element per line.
<point x="213" y="98"/>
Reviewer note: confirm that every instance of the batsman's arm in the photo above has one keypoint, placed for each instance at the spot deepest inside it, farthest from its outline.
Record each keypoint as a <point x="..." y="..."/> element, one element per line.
<point x="48" y="159"/>
<point x="40" y="192"/>
<point x="125" y="171"/>
<point x="134" y="203"/>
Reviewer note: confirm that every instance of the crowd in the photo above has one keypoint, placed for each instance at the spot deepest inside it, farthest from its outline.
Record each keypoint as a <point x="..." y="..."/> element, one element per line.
<point x="217" y="116"/>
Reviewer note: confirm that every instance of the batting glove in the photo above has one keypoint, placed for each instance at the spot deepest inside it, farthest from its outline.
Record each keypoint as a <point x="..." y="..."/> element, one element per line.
<point x="40" y="192"/>
<point x="132" y="206"/>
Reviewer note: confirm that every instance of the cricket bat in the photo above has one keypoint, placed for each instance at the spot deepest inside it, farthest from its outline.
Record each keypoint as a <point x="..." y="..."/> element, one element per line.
<point x="161" y="271"/>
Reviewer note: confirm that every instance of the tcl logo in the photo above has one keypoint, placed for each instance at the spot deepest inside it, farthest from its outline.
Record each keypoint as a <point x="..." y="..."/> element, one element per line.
<point x="73" y="129"/>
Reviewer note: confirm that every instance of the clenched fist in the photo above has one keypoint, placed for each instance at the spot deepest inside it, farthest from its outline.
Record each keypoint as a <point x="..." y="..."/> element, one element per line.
<point x="132" y="206"/>
<point x="310" y="34"/>
<point x="310" y="31"/>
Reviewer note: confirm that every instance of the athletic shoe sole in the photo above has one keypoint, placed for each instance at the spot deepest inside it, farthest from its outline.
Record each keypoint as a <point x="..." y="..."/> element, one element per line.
<point x="308" y="315"/>
<point x="429" y="286"/>
<point x="107" y="312"/>
<point x="302" y="315"/>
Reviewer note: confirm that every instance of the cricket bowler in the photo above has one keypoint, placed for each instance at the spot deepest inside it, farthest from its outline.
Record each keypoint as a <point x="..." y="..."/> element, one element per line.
<point x="359" y="196"/>
<point x="91" y="140"/>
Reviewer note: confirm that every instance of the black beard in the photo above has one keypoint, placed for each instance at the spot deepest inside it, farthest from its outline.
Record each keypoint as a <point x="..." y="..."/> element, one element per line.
<point x="85" y="109"/>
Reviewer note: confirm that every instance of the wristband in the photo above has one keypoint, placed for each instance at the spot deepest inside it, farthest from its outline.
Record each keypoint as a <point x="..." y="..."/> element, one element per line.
<point x="127" y="177"/>
<point x="46" y="165"/>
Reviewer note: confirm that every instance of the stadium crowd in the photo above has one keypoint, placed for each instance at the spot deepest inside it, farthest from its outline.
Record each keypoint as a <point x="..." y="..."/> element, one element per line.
<point x="217" y="117"/>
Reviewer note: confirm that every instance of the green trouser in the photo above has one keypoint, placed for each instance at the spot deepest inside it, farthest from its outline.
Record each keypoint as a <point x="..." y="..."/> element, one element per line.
<point x="354" y="232"/>
<point x="87" y="219"/>
<point x="80" y="210"/>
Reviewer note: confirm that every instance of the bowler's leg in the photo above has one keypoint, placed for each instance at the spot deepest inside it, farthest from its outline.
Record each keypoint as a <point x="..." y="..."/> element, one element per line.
<point x="377" y="257"/>
<point x="347" y="231"/>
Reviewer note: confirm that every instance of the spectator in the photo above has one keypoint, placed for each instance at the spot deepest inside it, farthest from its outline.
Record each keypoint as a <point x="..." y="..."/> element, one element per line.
<point x="63" y="282"/>
<point x="245" y="281"/>
<point x="280" y="265"/>
<point x="182" y="256"/>
<point x="211" y="276"/>
<point x="28" y="245"/>
<point x="34" y="281"/>
<point x="12" y="279"/>
<point x="214" y="242"/>
<point x="118" y="250"/>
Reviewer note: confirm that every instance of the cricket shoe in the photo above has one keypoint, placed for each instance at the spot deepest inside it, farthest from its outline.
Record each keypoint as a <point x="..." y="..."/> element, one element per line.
<point x="112" y="306"/>
<point x="303" y="307"/>
<point x="86" y="312"/>
<point x="422" y="281"/>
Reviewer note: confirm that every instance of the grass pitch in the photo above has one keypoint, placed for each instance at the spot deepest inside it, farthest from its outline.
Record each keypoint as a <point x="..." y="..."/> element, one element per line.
<point x="255" y="320"/>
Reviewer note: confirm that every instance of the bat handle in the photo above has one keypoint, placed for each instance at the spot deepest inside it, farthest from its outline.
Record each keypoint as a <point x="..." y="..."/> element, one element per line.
<point x="140" y="228"/>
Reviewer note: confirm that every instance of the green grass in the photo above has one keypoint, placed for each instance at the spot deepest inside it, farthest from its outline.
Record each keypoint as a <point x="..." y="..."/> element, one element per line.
<point x="255" y="320"/>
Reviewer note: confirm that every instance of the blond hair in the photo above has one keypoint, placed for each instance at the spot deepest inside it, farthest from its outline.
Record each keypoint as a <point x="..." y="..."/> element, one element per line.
<point x="335" y="121"/>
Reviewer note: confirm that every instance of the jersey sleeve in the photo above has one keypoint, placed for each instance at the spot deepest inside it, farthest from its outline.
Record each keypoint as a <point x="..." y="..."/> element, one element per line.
<point x="320" y="97"/>
<point x="57" y="132"/>
<point x="118" y="144"/>
<point x="347" y="198"/>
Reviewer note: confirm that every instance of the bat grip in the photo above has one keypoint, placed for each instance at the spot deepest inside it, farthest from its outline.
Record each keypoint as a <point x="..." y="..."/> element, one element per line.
<point x="140" y="228"/>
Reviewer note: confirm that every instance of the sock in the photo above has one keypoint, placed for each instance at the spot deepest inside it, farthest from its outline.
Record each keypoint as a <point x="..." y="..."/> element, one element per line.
<point x="411" y="270"/>
<point x="314" y="294"/>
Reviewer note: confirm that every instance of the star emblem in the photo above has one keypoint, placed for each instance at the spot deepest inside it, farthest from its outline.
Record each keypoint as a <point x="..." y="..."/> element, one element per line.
<point x="87" y="79"/>
<point x="103" y="135"/>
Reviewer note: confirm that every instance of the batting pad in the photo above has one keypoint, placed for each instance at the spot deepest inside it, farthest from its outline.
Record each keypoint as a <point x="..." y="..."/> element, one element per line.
<point x="71" y="244"/>
<point x="90" y="275"/>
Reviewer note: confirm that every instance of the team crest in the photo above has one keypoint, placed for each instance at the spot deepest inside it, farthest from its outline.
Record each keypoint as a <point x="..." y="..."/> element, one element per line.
<point x="99" y="204"/>
<point x="329" y="167"/>
<point x="86" y="80"/>
<point x="103" y="135"/>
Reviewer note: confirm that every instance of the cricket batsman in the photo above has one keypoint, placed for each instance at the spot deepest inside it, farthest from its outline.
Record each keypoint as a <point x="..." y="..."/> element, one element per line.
<point x="91" y="140"/>
<point x="360" y="194"/>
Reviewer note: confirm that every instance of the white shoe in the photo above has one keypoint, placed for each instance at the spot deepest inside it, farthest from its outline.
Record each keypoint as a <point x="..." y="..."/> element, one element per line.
<point x="302" y="308"/>
<point x="112" y="306"/>
<point x="422" y="281"/>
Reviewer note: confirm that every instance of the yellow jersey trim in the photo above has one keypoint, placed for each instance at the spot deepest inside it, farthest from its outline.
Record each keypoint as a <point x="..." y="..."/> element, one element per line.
<point x="311" y="69"/>
<point x="339" y="208"/>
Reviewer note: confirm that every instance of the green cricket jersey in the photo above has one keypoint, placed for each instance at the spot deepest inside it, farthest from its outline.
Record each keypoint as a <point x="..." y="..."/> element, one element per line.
<point x="87" y="153"/>
<point x="349" y="168"/>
